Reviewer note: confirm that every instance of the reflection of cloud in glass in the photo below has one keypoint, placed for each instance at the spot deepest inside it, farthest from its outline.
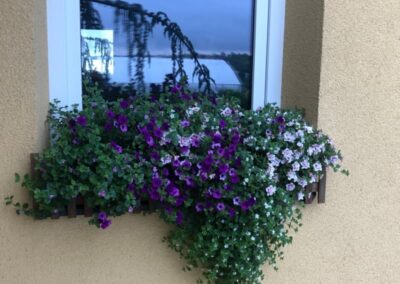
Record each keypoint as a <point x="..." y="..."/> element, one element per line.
<point x="212" y="26"/>
<point x="98" y="61"/>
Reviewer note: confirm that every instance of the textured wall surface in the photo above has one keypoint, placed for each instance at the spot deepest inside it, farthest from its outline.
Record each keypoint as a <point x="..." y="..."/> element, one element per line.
<point x="302" y="56"/>
<point x="353" y="238"/>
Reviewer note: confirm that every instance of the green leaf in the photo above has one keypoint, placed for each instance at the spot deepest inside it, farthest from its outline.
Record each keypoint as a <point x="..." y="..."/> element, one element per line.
<point x="17" y="178"/>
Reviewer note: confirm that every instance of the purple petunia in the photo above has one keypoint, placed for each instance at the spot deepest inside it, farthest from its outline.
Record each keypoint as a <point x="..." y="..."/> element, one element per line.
<point x="220" y="206"/>
<point x="116" y="147"/>
<point x="123" y="127"/>
<point x="236" y="200"/>
<point x="124" y="104"/>
<point x="247" y="204"/>
<point x="110" y="114"/>
<point x="102" y="193"/>
<point x="216" y="194"/>
<point x="81" y="120"/>
<point x="223" y="169"/>
<point x="199" y="207"/>
<point x="122" y="119"/>
<point x="222" y="124"/>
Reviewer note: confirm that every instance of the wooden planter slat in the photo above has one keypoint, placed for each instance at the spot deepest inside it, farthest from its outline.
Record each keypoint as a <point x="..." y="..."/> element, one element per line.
<point x="87" y="211"/>
<point x="322" y="189"/>
<point x="71" y="209"/>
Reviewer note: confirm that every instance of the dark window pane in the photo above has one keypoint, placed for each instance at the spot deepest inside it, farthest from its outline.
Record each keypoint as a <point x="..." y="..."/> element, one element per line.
<point x="221" y="32"/>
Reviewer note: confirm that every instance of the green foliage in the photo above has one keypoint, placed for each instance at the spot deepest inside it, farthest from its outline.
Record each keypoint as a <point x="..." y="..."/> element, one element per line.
<point x="231" y="180"/>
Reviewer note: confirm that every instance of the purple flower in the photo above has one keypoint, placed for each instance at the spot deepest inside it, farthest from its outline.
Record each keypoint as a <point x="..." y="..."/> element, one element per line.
<point x="232" y="212"/>
<point x="158" y="133"/>
<point x="156" y="182"/>
<point x="149" y="140"/>
<point x="72" y="123"/>
<point x="81" y="120"/>
<point x="173" y="190"/>
<point x="280" y="119"/>
<point x="185" y="123"/>
<point x="195" y="140"/>
<point x="235" y="179"/>
<point x="175" y="89"/>
<point x="189" y="182"/>
<point x="179" y="218"/>
<point x="104" y="224"/>
<point x="220" y="206"/>
<point x="102" y="216"/>
<point x="124" y="104"/>
<point x="222" y="124"/>
<point x="116" y="147"/>
<point x="110" y="113"/>
<point x="216" y="194"/>
<point x="123" y="127"/>
<point x="108" y="126"/>
<point x="165" y="126"/>
<point x="270" y="190"/>
<point x="217" y="137"/>
<point x="208" y="160"/>
<point x="102" y="193"/>
<point x="223" y="169"/>
<point x="131" y="186"/>
<point x="186" y="164"/>
<point x="155" y="156"/>
<point x="199" y="207"/>
<point x="122" y="119"/>
<point x="247" y="204"/>
<point x="236" y="200"/>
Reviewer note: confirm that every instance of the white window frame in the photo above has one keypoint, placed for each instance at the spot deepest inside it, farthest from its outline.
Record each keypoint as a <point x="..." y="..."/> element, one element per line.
<point x="64" y="49"/>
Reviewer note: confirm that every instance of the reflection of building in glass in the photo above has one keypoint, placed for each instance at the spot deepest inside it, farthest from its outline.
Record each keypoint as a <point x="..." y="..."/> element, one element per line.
<point x="221" y="72"/>
<point x="98" y="50"/>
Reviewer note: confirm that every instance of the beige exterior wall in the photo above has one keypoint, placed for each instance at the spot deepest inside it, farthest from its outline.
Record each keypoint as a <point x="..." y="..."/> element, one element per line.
<point x="353" y="238"/>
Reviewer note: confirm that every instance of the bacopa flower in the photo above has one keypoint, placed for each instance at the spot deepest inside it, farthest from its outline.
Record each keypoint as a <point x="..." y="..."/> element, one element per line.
<point x="81" y="120"/>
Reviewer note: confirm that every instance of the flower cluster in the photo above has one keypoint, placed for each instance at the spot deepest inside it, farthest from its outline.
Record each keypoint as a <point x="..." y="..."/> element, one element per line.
<point x="230" y="179"/>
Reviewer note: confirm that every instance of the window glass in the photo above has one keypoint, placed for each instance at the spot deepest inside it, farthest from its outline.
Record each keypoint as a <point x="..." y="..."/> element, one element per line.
<point x="221" y="32"/>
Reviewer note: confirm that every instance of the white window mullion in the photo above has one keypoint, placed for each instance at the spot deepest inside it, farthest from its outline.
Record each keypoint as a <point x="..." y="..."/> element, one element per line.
<point x="64" y="49"/>
<point x="268" y="52"/>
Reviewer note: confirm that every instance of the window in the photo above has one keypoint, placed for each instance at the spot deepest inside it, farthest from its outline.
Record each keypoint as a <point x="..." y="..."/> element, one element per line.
<point x="251" y="61"/>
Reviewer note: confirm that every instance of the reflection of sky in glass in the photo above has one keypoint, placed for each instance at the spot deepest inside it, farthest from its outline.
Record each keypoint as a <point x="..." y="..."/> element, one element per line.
<point x="98" y="63"/>
<point x="214" y="26"/>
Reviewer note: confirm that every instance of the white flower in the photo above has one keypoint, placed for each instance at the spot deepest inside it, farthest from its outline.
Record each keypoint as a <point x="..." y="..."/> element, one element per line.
<point x="292" y="176"/>
<point x="317" y="167"/>
<point x="166" y="159"/>
<point x="270" y="190"/>
<point x="288" y="154"/>
<point x="334" y="160"/>
<point x="305" y="164"/>
<point x="290" y="187"/>
<point x="288" y="137"/>
<point x="300" y="196"/>
<point x="296" y="166"/>
<point x="226" y="112"/>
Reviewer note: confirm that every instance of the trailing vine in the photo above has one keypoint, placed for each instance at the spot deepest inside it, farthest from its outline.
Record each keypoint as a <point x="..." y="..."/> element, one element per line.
<point x="138" y="23"/>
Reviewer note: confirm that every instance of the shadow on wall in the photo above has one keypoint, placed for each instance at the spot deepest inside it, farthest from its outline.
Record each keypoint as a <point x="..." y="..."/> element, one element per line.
<point x="302" y="56"/>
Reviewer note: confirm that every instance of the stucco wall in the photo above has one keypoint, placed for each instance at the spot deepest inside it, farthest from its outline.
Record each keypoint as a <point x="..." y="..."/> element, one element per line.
<point x="302" y="56"/>
<point x="353" y="238"/>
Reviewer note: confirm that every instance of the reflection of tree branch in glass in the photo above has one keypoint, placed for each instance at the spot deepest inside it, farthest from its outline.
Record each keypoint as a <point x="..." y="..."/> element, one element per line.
<point x="137" y="25"/>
